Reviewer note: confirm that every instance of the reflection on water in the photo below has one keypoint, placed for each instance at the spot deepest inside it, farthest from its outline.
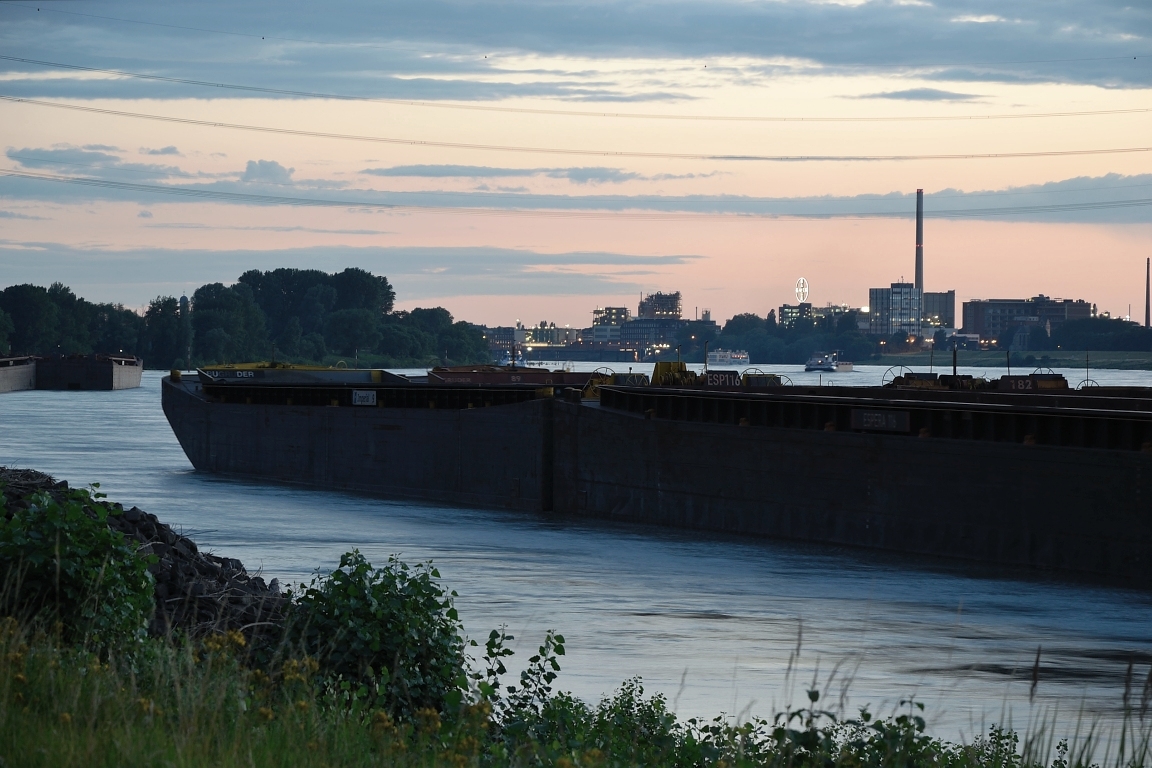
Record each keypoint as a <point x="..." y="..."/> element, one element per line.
<point x="711" y="621"/>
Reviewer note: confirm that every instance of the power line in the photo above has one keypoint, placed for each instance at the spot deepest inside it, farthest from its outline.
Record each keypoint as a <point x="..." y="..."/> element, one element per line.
<point x="241" y="197"/>
<point x="11" y="4"/>
<point x="569" y="112"/>
<point x="576" y="152"/>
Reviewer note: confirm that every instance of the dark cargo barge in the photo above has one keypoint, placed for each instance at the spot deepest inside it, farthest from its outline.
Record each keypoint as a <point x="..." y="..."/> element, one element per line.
<point x="1017" y="476"/>
<point x="89" y="372"/>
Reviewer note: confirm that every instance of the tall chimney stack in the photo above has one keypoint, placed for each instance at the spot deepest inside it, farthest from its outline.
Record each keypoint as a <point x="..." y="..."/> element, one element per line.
<point x="1148" y="293"/>
<point x="920" y="241"/>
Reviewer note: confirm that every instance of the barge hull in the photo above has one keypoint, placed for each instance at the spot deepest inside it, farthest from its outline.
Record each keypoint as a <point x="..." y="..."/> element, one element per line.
<point x="89" y="372"/>
<point x="1062" y="487"/>
<point x="485" y="457"/>
<point x="1071" y="510"/>
<point x="17" y="374"/>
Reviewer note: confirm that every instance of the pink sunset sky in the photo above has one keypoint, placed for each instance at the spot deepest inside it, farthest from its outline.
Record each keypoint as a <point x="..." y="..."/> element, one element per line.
<point x="525" y="211"/>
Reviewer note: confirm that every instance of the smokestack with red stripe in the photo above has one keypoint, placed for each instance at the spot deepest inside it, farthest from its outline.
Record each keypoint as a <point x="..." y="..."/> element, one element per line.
<point x="920" y="241"/>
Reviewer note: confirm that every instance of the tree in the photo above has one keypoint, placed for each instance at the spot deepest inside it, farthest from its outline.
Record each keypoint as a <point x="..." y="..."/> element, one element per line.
<point x="74" y="320"/>
<point x="6" y="329"/>
<point x="289" y="340"/>
<point x="349" y="330"/>
<point x="227" y="324"/>
<point x="403" y="341"/>
<point x="116" y="329"/>
<point x="1103" y="334"/>
<point x="742" y="324"/>
<point x="310" y="294"/>
<point x="34" y="318"/>
<point x="846" y="323"/>
<point x="166" y="335"/>
<point x="359" y="289"/>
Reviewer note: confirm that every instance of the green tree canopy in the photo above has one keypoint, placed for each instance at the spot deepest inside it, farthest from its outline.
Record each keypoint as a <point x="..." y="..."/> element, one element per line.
<point x="35" y="318"/>
<point x="228" y="325"/>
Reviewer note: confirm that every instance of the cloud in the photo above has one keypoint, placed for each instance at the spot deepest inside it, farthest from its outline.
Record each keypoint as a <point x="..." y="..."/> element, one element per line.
<point x="452" y="171"/>
<point x="169" y="150"/>
<point x="313" y="230"/>
<point x="1112" y="198"/>
<point x="577" y="175"/>
<point x="977" y="19"/>
<point x="102" y="148"/>
<point x="436" y="49"/>
<point x="88" y="160"/>
<point x="597" y="175"/>
<point x="14" y="215"/>
<point x="136" y="276"/>
<point x="921" y="94"/>
<point x="268" y="171"/>
<point x="144" y="214"/>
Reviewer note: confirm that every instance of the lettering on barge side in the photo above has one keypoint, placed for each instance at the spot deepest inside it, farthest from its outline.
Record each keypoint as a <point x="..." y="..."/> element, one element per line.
<point x="880" y="421"/>
<point x="363" y="397"/>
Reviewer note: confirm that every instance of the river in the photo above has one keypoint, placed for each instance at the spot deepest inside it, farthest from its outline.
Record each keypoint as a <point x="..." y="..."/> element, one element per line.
<point x="718" y="624"/>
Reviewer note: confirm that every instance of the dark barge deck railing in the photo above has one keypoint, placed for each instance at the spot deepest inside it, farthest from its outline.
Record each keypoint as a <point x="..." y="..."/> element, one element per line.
<point x="1071" y="418"/>
<point x="341" y="395"/>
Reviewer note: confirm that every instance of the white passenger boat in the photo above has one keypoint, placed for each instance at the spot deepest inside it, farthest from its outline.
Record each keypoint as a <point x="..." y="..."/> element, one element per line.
<point x="827" y="362"/>
<point x="727" y="357"/>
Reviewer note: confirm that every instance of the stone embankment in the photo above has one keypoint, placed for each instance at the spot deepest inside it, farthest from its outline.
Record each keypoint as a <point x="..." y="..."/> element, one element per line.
<point x="196" y="593"/>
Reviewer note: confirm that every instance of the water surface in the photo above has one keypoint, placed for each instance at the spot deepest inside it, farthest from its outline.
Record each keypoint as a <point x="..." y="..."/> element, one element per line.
<point x="718" y="624"/>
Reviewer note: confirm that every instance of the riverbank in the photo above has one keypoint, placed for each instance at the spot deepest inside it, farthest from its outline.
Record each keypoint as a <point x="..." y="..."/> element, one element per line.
<point x="360" y="693"/>
<point x="941" y="360"/>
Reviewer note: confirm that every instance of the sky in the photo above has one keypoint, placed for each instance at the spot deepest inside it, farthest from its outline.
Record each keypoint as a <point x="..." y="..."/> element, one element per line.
<point x="531" y="161"/>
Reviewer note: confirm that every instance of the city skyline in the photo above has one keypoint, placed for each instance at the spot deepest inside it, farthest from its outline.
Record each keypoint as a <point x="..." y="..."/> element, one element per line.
<point x="606" y="207"/>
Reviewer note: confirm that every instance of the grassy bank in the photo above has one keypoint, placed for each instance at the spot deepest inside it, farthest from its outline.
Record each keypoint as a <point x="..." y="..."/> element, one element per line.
<point x="186" y="705"/>
<point x="942" y="360"/>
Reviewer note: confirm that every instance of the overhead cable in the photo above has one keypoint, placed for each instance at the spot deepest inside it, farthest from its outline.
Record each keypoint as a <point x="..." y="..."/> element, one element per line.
<point x="571" y="112"/>
<point x="576" y="152"/>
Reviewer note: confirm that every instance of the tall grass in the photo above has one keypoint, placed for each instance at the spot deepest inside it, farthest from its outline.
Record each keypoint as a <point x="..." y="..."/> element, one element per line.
<point x="185" y="705"/>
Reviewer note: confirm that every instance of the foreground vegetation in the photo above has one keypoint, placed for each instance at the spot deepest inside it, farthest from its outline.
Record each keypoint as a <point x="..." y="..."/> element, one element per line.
<point x="366" y="666"/>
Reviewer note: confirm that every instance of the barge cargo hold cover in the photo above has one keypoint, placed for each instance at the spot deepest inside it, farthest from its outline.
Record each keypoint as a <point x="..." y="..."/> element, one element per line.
<point x="1058" y="481"/>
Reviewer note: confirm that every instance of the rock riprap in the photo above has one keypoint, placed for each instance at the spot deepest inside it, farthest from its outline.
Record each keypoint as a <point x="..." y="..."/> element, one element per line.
<point x="196" y="593"/>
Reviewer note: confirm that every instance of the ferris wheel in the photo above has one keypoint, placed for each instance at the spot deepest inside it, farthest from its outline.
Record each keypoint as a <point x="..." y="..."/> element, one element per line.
<point x="801" y="290"/>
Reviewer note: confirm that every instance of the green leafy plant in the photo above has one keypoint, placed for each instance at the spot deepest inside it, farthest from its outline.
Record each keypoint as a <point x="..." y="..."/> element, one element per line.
<point x="64" y="569"/>
<point x="388" y="637"/>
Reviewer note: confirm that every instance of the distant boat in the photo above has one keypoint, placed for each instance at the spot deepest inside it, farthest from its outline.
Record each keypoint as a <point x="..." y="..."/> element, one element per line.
<point x="827" y="362"/>
<point x="727" y="357"/>
<point x="507" y="359"/>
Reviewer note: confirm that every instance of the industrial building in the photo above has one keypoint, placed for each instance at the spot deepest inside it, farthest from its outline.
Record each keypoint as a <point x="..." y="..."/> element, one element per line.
<point x="906" y="308"/>
<point x="660" y="306"/>
<point x="990" y="318"/>
<point x="895" y="310"/>
<point x="794" y="315"/>
<point x="938" y="309"/>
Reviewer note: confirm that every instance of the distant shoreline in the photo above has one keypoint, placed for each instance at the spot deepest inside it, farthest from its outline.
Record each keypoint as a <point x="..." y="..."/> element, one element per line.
<point x="1123" y="361"/>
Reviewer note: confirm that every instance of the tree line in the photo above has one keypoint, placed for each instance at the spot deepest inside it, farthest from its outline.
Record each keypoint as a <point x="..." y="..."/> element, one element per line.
<point x="768" y="342"/>
<point x="296" y="315"/>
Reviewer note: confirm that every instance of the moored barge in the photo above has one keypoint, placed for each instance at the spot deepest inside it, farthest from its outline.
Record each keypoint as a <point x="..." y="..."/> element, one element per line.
<point x="1016" y="472"/>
